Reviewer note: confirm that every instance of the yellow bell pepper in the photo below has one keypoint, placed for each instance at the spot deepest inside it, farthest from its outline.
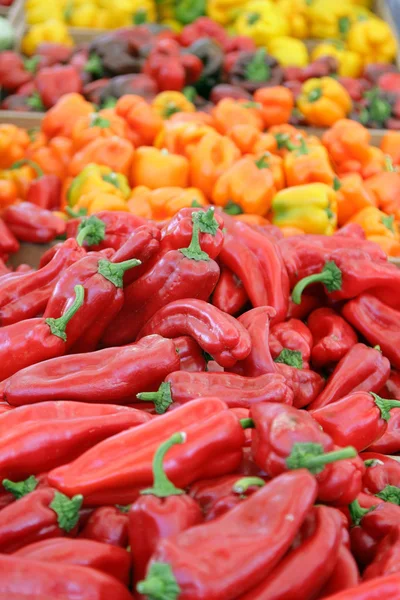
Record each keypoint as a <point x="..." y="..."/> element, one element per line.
<point x="168" y="103"/>
<point x="99" y="179"/>
<point x="311" y="207"/>
<point x="260" y="20"/>
<point x="350" y="64"/>
<point x="373" y="40"/>
<point x="288" y="51"/>
<point x="50" y="31"/>
<point x="224" y="11"/>
<point x="324" y="101"/>
<point x="296" y="11"/>
<point x="40" y="13"/>
<point x="331" y="19"/>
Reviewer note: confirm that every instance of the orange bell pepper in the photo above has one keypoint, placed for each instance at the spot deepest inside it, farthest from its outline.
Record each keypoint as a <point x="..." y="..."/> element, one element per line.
<point x="307" y="164"/>
<point x="213" y="155"/>
<point x="276" y="104"/>
<point x="61" y="118"/>
<point x="54" y="157"/>
<point x="96" y="201"/>
<point x="390" y="145"/>
<point x="13" y="144"/>
<point x="8" y="193"/>
<point x="352" y="196"/>
<point x="103" y="124"/>
<point x="139" y="204"/>
<point x="347" y="141"/>
<point x="180" y="137"/>
<point x="376" y="222"/>
<point x="388" y="245"/>
<point x="164" y="202"/>
<point x="323" y="101"/>
<point x="113" y="152"/>
<point x="252" y="219"/>
<point x="21" y="176"/>
<point x="144" y="123"/>
<point x="386" y="188"/>
<point x="274" y="163"/>
<point x="229" y="112"/>
<point x="285" y="135"/>
<point x="245" y="137"/>
<point x="166" y="104"/>
<point x="193" y="117"/>
<point x="376" y="163"/>
<point x="156" y="168"/>
<point x="247" y="186"/>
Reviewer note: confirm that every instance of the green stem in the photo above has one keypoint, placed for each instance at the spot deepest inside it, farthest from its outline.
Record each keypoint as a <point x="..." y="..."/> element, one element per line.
<point x="315" y="463"/>
<point x="162" y="398"/>
<point x="385" y="405"/>
<point x="357" y="513"/>
<point x="160" y="583"/>
<point x="194" y="251"/>
<point x="30" y="163"/>
<point x="330" y="276"/>
<point x="231" y="208"/>
<point x="75" y="214"/>
<point x="242" y="485"/>
<point x="247" y="423"/>
<point x="92" y="230"/>
<point x="20" y="488"/>
<point x="114" y="272"/>
<point x="162" y="486"/>
<point x="58" y="326"/>
<point x="390" y="493"/>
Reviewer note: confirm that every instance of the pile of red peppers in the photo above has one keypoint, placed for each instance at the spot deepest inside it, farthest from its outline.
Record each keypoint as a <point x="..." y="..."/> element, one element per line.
<point x="199" y="409"/>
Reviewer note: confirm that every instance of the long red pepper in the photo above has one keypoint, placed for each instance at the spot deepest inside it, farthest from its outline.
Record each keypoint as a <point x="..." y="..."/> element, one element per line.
<point x="229" y="294"/>
<point x="87" y="553"/>
<point x="181" y="569"/>
<point x="39" y="437"/>
<point x="381" y="587"/>
<point x="387" y="556"/>
<point x="105" y="474"/>
<point x="344" y="576"/>
<point x="30" y="223"/>
<point x="217" y="333"/>
<point x="161" y="511"/>
<point x="259" y="361"/>
<point x="108" y="375"/>
<point x="106" y="229"/>
<point x="332" y="336"/>
<point x="143" y="244"/>
<point x="190" y="354"/>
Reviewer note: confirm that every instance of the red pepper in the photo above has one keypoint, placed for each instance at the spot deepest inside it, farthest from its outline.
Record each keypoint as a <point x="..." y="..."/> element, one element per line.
<point x="389" y="443"/>
<point x="200" y="28"/>
<point x="170" y="68"/>
<point x="14" y="72"/>
<point x="229" y="294"/>
<point x="190" y="354"/>
<point x="362" y="369"/>
<point x="389" y="82"/>
<point x="4" y="270"/>
<point x="301" y="311"/>
<point x="292" y="335"/>
<point x="306" y="384"/>
<point x="387" y="556"/>
<point x="213" y="447"/>
<point x="109" y="525"/>
<point x="356" y="88"/>
<point x="357" y="419"/>
<point x="332" y="337"/>
<point x="108" y="375"/>
<point x="382" y="476"/>
<point x="259" y="361"/>
<point x="54" y="82"/>
<point x="345" y="575"/>
<point x="51" y="53"/>
<point x="378" y="324"/>
<point x="185" y="273"/>
<point x="313" y="559"/>
<point x="344" y="483"/>
<point x="38" y="580"/>
<point x="161" y="512"/>
<point x="25" y="295"/>
<point x="87" y="553"/>
<point x="259" y="522"/>
<point x="236" y="391"/>
<point x="8" y="242"/>
<point x="33" y="340"/>
<point x="54" y="433"/>
<point x="29" y="223"/>
<point x="143" y="244"/>
<point x="217" y="333"/>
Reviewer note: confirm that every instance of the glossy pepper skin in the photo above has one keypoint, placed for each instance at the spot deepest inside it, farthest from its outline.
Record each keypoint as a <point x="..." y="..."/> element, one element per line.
<point x="292" y="335"/>
<point x="8" y="242"/>
<point x="87" y="553"/>
<point x="382" y="472"/>
<point x="21" y="577"/>
<point x="211" y="429"/>
<point x="229" y="294"/>
<point x="117" y="228"/>
<point x="143" y="244"/>
<point x="259" y="361"/>
<point x="216" y="333"/>
<point x="305" y="383"/>
<point x="256" y="521"/>
<point x="357" y="419"/>
<point x="57" y="432"/>
<point x="238" y="392"/>
<point x="386" y="557"/>
<point x="25" y="295"/>
<point x="332" y="337"/>
<point x="160" y="512"/>
<point x="109" y="525"/>
<point x="78" y="377"/>
<point x="30" y="223"/>
<point x="190" y="354"/>
<point x="377" y="323"/>
<point x="362" y="369"/>
<point x="313" y="559"/>
<point x="389" y="443"/>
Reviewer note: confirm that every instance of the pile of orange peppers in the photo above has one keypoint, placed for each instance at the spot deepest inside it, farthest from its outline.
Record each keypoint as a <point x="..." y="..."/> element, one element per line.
<point x="154" y="159"/>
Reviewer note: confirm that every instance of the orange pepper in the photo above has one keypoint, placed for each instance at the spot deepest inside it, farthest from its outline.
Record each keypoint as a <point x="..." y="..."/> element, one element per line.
<point x="376" y="163"/>
<point x="390" y="145"/>
<point x="291" y="231"/>
<point x="347" y="141"/>
<point x="144" y="123"/>
<point x="376" y="222"/>
<point x="180" y="137"/>
<point x="266" y="143"/>
<point x="96" y="201"/>
<point x="103" y="124"/>
<point x="61" y="118"/>
<point x="308" y="164"/>
<point x="113" y="152"/>
<point x="158" y="168"/>
<point x="283" y="134"/>
<point x="54" y="157"/>
<point x="252" y="219"/>
<point x="139" y="204"/>
<point x="167" y="103"/>
<point x="13" y="144"/>
<point x="323" y="101"/>
<point x="37" y="140"/>
<point x="8" y="193"/>
<point x="184" y="199"/>
<point x="352" y="196"/>
<point x="276" y="104"/>
<point x="386" y="188"/>
<point x="245" y="137"/>
<point x="388" y="245"/>
<point x="213" y="155"/>
<point x="246" y="187"/>
<point x="193" y="117"/>
<point x="229" y="112"/>
<point x="275" y="164"/>
<point x="22" y="177"/>
<point x="163" y="202"/>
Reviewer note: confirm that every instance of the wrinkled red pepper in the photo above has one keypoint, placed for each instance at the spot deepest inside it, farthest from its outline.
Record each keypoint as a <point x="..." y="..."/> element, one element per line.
<point x="109" y="525"/>
<point x="332" y="337"/>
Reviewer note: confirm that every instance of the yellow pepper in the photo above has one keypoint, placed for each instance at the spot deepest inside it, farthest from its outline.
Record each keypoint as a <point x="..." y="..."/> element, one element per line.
<point x="50" y="31"/>
<point x="296" y="11"/>
<point x="40" y="13"/>
<point x="350" y="64"/>
<point x="167" y="104"/>
<point x="88" y="14"/>
<point x="324" y="101"/>
<point x="94" y="202"/>
<point x="172" y="24"/>
<point x="288" y="51"/>
<point x="373" y="40"/>
<point x="311" y="207"/>
<point x="260" y="20"/>
<point x="330" y="19"/>
<point x="98" y="179"/>
<point x="224" y="11"/>
<point x="376" y="222"/>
